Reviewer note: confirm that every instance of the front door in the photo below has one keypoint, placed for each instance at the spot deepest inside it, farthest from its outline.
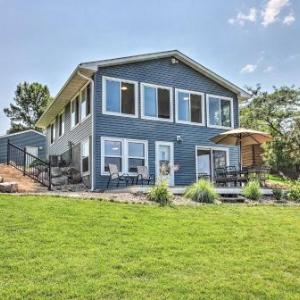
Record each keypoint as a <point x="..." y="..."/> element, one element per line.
<point x="164" y="161"/>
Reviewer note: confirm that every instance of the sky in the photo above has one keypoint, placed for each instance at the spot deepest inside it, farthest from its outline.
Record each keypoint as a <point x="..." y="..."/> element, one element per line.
<point x="247" y="42"/>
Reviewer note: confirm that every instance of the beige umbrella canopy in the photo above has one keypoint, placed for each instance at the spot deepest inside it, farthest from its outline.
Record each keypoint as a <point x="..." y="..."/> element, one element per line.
<point x="241" y="137"/>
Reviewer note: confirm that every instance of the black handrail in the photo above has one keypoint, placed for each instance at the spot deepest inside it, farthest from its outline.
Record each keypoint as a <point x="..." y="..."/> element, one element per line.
<point x="29" y="164"/>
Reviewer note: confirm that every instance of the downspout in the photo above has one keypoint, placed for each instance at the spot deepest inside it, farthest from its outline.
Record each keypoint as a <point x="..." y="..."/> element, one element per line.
<point x="91" y="81"/>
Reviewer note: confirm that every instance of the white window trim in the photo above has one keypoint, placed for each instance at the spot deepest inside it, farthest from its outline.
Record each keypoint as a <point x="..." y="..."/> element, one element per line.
<point x="207" y="111"/>
<point x="104" y="111"/>
<point x="124" y="155"/>
<point x="80" y="100"/>
<point x="73" y="100"/>
<point x="78" y="94"/>
<point x="63" y="123"/>
<point x="54" y="132"/>
<point x="143" y="116"/>
<point x="177" y="108"/>
<point x="81" y="146"/>
<point x="197" y="147"/>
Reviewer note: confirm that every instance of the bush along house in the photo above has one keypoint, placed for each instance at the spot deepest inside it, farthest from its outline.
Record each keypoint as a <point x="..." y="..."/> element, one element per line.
<point x="143" y="110"/>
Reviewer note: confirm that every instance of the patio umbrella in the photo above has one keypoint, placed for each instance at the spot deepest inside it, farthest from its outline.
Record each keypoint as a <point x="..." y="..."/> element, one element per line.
<point x="242" y="137"/>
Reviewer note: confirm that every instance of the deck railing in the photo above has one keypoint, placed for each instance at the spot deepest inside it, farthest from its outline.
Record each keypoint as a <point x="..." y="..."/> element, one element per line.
<point x="29" y="164"/>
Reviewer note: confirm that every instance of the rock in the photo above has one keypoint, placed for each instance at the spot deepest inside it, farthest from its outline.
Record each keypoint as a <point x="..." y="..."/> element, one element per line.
<point x="56" y="172"/>
<point x="43" y="176"/>
<point x="8" y="187"/>
<point x="64" y="171"/>
<point x="74" y="175"/>
<point x="61" y="180"/>
<point x="1" y="179"/>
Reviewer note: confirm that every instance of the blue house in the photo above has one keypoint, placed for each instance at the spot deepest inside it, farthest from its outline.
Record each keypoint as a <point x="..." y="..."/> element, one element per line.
<point x="33" y="141"/>
<point x="147" y="110"/>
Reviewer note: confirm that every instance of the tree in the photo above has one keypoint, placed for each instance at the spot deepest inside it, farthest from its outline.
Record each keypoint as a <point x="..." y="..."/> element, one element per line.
<point x="30" y="101"/>
<point x="276" y="113"/>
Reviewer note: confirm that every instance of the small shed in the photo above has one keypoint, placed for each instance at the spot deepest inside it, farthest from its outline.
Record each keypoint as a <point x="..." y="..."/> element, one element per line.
<point x="32" y="140"/>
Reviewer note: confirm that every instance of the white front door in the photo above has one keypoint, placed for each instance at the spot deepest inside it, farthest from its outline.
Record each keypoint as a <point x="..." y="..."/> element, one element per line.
<point x="164" y="161"/>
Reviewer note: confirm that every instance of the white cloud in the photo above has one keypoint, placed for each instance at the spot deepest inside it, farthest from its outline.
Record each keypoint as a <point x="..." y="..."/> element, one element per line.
<point x="268" y="69"/>
<point x="249" y="68"/>
<point x="288" y="20"/>
<point x="241" y="18"/>
<point x="272" y="10"/>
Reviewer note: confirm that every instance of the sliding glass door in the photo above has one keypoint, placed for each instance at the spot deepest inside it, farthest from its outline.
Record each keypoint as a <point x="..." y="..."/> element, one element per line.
<point x="208" y="159"/>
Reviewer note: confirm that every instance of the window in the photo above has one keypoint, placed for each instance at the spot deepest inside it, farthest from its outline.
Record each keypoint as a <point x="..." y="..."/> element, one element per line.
<point x="156" y="102"/>
<point x="85" y="154"/>
<point x="220" y="111"/>
<point x="189" y="107"/>
<point x="126" y="154"/>
<point x="136" y="156"/>
<point x="52" y="133"/>
<point x="113" y="154"/>
<point x="119" y="97"/>
<point x="75" y="112"/>
<point x="85" y="103"/>
<point x="61" y="124"/>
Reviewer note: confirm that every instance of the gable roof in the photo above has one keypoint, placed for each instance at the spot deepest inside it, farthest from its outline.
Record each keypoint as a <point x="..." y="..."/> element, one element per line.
<point x="87" y="69"/>
<point x="21" y="132"/>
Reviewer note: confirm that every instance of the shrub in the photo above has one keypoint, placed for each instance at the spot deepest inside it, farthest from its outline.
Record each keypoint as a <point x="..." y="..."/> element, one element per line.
<point x="294" y="192"/>
<point x="202" y="191"/>
<point x="278" y="194"/>
<point x="160" y="193"/>
<point x="252" y="190"/>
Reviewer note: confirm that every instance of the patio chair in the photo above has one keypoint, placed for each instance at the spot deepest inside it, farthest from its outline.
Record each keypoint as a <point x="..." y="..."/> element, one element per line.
<point x="143" y="175"/>
<point x="115" y="176"/>
<point x="220" y="176"/>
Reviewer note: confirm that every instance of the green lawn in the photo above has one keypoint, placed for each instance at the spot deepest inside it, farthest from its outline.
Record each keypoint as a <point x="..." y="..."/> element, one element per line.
<point x="68" y="249"/>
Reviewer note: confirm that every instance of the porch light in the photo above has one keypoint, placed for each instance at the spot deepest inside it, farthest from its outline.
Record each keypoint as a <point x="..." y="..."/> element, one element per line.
<point x="179" y="139"/>
<point x="124" y="88"/>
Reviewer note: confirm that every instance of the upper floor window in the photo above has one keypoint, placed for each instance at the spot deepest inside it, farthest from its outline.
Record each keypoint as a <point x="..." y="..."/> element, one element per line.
<point x="119" y="97"/>
<point x="156" y="102"/>
<point x="85" y="103"/>
<point x="219" y="111"/>
<point x="61" y="124"/>
<point x="52" y="133"/>
<point x="75" y="112"/>
<point x="189" y="107"/>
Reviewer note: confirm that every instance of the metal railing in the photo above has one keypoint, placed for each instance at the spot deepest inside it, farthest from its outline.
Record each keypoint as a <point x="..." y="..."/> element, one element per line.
<point x="29" y="164"/>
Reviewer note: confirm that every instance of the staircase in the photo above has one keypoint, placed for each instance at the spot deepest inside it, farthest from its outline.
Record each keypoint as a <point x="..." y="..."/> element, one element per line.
<point x="25" y="183"/>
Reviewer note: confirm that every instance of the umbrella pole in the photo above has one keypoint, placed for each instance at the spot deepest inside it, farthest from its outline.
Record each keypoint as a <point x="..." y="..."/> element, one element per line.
<point x="241" y="152"/>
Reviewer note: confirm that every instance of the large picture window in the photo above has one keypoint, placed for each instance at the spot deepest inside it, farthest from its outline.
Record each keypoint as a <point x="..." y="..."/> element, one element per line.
<point x="220" y="111"/>
<point x="126" y="154"/>
<point x="189" y="107"/>
<point x="156" y="102"/>
<point x="119" y="97"/>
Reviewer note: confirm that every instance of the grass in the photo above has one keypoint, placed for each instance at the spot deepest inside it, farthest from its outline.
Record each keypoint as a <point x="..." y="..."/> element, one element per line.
<point x="278" y="181"/>
<point x="85" y="249"/>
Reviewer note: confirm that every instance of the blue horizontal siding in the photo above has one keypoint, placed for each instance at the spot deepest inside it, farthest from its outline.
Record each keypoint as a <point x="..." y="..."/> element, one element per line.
<point x="27" y="138"/>
<point x="160" y="72"/>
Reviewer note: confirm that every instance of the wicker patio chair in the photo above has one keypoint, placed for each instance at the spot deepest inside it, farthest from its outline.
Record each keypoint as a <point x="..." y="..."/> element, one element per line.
<point x="115" y="176"/>
<point x="143" y="175"/>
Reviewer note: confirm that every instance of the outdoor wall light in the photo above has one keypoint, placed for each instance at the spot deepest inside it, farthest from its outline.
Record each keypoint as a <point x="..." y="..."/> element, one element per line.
<point x="179" y="139"/>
